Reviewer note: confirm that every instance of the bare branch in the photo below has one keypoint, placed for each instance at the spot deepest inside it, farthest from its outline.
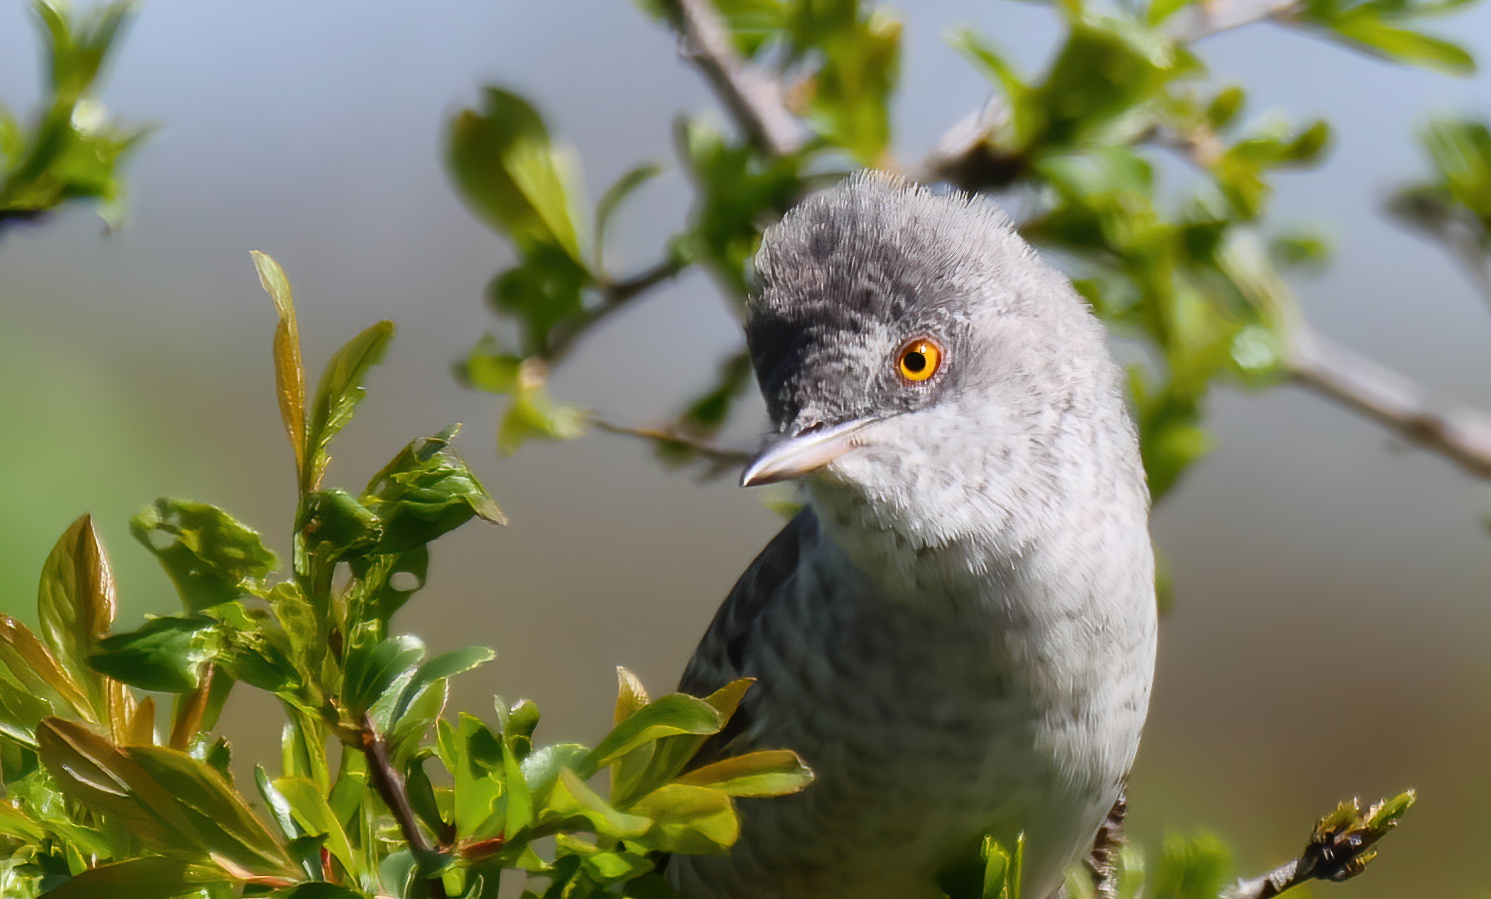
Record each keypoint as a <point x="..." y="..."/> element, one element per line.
<point x="963" y="155"/>
<point x="1461" y="432"/>
<point x="390" y="785"/>
<point x="756" y="101"/>
<point x="721" y="458"/>
<point x="614" y="295"/>
<point x="1204" y="19"/>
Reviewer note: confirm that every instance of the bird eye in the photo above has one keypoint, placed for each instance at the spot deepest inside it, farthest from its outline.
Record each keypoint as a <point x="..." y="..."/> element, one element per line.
<point x="919" y="359"/>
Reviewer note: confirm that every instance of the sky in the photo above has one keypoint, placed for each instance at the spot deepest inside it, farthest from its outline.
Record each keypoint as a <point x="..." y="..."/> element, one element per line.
<point x="1331" y="613"/>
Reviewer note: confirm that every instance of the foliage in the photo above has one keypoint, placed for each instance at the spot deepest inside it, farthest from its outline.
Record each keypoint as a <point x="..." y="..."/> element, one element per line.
<point x="376" y="791"/>
<point x="72" y="149"/>
<point x="1189" y="266"/>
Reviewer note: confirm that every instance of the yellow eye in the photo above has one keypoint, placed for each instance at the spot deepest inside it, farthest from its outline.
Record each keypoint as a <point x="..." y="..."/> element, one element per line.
<point x="919" y="359"/>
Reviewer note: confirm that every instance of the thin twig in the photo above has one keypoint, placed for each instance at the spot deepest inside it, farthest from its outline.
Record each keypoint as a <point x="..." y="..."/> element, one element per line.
<point x="1455" y="430"/>
<point x="390" y="785"/>
<point x="614" y="295"/>
<point x="755" y="100"/>
<point x="1340" y="847"/>
<point x="963" y="155"/>
<point x="1202" y="20"/>
<point x="721" y="457"/>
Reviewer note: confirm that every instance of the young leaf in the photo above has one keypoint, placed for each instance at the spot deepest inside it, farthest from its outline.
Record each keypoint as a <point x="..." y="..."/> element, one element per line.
<point x="424" y="492"/>
<point x="289" y="370"/>
<point x="510" y="175"/>
<point x="147" y="877"/>
<point x="163" y="796"/>
<point x="338" y="393"/>
<point x="612" y="198"/>
<point x="692" y="820"/>
<point x="36" y="671"/>
<point x="314" y="816"/>
<point x="165" y="654"/>
<point x="76" y="603"/>
<point x="209" y="556"/>
<point x="375" y="670"/>
<point x="771" y="772"/>
<point x="675" y="713"/>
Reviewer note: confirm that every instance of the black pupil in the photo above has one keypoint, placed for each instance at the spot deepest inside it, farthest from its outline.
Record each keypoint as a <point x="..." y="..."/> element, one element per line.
<point x="915" y="361"/>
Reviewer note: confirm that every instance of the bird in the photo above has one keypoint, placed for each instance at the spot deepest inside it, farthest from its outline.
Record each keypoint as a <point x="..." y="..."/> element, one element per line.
<point x="957" y="631"/>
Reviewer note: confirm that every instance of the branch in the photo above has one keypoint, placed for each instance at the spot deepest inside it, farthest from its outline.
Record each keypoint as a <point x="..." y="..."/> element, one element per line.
<point x="1204" y="19"/>
<point x="963" y="155"/>
<point x="1461" y="432"/>
<point x="755" y="100"/>
<point x="390" y="786"/>
<point x="1340" y="848"/>
<point x="614" y="295"/>
<point x="721" y="458"/>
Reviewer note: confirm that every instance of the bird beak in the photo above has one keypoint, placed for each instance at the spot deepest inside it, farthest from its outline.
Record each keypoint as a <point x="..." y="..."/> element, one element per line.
<point x="792" y="457"/>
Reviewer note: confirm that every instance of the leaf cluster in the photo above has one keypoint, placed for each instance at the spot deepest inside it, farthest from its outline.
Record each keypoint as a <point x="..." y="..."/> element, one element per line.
<point x="1126" y="160"/>
<point x="377" y="793"/>
<point x="71" y="150"/>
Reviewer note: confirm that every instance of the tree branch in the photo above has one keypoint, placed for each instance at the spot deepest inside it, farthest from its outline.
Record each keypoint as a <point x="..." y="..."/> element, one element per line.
<point x="756" y="101"/>
<point x="721" y="458"/>
<point x="390" y="786"/>
<point x="1204" y="19"/>
<point x="1455" y="430"/>
<point x="614" y="295"/>
<point x="1340" y="848"/>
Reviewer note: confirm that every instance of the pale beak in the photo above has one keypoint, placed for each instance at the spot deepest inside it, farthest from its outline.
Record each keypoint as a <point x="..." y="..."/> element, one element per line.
<point x="792" y="457"/>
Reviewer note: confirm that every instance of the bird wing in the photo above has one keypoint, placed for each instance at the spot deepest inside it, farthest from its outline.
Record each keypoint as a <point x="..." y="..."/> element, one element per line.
<point x="720" y="656"/>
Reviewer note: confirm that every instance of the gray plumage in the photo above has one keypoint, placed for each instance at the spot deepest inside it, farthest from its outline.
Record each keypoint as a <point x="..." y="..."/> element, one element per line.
<point x="958" y="631"/>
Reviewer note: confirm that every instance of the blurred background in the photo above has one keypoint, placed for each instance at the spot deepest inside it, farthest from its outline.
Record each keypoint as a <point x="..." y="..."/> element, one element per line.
<point x="1330" y="624"/>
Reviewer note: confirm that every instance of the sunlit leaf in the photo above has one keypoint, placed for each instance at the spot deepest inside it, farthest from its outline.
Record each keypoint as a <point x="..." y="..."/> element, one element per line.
<point x="76" y="603"/>
<point x="771" y="772"/>
<point x="424" y="492"/>
<point x="148" y="877"/>
<point x="339" y="392"/>
<point x="289" y="370"/>
<point x="510" y="174"/>
<point x="209" y="556"/>
<point x="165" y="654"/>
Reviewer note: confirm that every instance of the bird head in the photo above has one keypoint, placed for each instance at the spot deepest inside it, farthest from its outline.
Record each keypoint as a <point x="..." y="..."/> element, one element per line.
<point x="917" y="356"/>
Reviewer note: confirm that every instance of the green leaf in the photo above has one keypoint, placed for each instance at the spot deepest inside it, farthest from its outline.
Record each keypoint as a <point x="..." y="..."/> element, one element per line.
<point x="1192" y="868"/>
<point x="442" y="667"/>
<point x="314" y="816"/>
<point x="338" y="393"/>
<point x="473" y="755"/>
<point x="771" y="772"/>
<point x="624" y="187"/>
<point x="318" y="890"/>
<point x="165" y="654"/>
<point x="509" y="173"/>
<point x="692" y="820"/>
<point x="148" y="877"/>
<point x="378" y="669"/>
<point x="675" y="713"/>
<point x="164" y="796"/>
<point x="572" y="798"/>
<point x="424" y="492"/>
<point x="209" y="556"/>
<point x="333" y="525"/>
<point x="1366" y="30"/>
<point x="533" y="414"/>
<point x="289" y="370"/>
<point x="1002" y="868"/>
<point x="76" y="604"/>
<point x="36" y="673"/>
